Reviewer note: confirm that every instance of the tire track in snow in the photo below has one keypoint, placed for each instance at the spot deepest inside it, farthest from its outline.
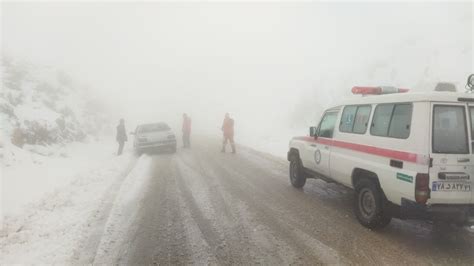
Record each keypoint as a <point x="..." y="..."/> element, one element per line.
<point x="121" y="221"/>
<point x="89" y="246"/>
<point x="310" y="250"/>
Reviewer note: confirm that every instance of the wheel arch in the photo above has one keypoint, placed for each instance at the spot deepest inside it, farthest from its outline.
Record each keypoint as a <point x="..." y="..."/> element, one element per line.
<point x="360" y="173"/>
<point x="293" y="152"/>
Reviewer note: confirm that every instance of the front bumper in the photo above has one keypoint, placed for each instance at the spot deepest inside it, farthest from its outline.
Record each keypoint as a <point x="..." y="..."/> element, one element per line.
<point x="454" y="213"/>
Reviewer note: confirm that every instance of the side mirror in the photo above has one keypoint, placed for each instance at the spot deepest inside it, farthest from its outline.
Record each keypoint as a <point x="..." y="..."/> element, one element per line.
<point x="470" y="81"/>
<point x="313" y="132"/>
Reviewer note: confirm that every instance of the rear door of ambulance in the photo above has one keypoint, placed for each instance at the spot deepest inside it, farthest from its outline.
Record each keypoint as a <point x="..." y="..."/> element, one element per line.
<point x="452" y="168"/>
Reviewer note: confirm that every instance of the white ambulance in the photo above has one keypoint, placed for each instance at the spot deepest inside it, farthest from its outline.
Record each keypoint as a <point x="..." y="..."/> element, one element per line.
<point x="406" y="155"/>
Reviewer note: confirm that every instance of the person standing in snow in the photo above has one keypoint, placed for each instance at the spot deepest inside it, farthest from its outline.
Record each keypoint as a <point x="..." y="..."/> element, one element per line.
<point x="121" y="136"/>
<point x="18" y="136"/>
<point x="186" y="131"/>
<point x="228" y="131"/>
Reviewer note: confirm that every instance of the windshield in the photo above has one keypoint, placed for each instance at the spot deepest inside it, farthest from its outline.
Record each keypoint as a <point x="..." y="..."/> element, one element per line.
<point x="153" y="128"/>
<point x="450" y="129"/>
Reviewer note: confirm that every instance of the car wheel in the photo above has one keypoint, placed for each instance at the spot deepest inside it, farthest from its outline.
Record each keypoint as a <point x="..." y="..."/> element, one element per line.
<point x="370" y="205"/>
<point x="297" y="177"/>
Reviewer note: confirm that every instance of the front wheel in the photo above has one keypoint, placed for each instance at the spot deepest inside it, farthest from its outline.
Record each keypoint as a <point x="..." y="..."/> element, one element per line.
<point x="370" y="205"/>
<point x="297" y="177"/>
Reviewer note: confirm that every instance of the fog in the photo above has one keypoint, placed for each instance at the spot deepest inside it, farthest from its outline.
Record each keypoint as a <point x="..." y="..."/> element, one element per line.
<point x="77" y="188"/>
<point x="272" y="66"/>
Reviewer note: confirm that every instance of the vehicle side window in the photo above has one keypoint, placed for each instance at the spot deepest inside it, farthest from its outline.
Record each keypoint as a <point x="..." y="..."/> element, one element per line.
<point x="381" y="120"/>
<point x="392" y="120"/>
<point x="401" y="121"/>
<point x="362" y="119"/>
<point x="355" y="118"/>
<point x="326" y="127"/>
<point x="347" y="119"/>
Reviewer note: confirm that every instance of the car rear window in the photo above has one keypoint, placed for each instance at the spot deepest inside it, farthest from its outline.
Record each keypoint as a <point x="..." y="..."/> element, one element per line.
<point x="153" y="128"/>
<point x="450" y="129"/>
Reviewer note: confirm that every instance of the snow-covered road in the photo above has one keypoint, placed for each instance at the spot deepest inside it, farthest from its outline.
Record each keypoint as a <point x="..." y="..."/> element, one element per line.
<point x="200" y="206"/>
<point x="203" y="207"/>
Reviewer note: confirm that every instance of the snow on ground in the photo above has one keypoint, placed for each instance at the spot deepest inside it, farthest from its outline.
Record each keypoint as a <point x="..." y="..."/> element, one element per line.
<point x="126" y="206"/>
<point x="49" y="201"/>
<point x="31" y="173"/>
<point x="274" y="142"/>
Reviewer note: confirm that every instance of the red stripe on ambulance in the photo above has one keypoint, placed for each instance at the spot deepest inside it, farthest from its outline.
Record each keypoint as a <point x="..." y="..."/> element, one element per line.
<point x="392" y="154"/>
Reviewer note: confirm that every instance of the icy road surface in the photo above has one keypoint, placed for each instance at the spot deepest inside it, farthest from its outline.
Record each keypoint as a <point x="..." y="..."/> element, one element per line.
<point x="200" y="206"/>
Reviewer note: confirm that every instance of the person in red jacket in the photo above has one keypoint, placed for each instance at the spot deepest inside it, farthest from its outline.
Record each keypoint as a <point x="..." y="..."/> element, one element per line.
<point x="186" y="131"/>
<point x="228" y="130"/>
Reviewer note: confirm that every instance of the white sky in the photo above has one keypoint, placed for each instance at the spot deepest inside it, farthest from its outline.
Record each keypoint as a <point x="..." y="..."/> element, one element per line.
<point x="259" y="61"/>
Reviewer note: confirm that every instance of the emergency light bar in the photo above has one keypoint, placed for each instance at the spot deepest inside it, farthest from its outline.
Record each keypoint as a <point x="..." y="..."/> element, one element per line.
<point x="377" y="90"/>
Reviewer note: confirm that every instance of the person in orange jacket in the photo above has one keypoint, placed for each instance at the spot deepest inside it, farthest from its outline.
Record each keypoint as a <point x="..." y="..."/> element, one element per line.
<point x="228" y="130"/>
<point x="186" y="131"/>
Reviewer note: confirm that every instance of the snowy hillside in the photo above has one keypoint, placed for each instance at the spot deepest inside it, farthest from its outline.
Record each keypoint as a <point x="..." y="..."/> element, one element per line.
<point x="41" y="107"/>
<point x="49" y="129"/>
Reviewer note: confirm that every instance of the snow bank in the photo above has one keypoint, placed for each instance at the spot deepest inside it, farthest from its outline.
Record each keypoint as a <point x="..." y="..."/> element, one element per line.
<point x="50" y="203"/>
<point x="28" y="176"/>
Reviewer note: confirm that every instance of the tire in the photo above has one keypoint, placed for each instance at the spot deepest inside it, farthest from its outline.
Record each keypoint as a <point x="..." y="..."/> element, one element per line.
<point x="297" y="177"/>
<point x="370" y="205"/>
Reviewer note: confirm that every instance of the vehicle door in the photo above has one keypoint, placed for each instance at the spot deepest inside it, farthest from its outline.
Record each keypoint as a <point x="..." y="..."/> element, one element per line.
<point x="452" y="168"/>
<point x="318" y="151"/>
<point x="471" y="131"/>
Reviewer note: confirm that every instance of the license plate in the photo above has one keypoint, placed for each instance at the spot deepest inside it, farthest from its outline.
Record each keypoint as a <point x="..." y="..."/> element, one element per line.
<point x="451" y="186"/>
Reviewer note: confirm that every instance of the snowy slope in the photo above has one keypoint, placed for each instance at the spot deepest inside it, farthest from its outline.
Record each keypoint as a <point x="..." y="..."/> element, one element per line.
<point x="44" y="106"/>
<point x="59" y="170"/>
<point x="53" y="228"/>
<point x="49" y="128"/>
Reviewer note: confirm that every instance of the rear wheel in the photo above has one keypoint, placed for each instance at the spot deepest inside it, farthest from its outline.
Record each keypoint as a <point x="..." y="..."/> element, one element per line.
<point x="370" y="205"/>
<point x="297" y="177"/>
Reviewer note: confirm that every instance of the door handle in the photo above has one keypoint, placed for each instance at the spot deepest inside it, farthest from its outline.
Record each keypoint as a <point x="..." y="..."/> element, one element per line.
<point x="326" y="147"/>
<point x="313" y="145"/>
<point x="463" y="160"/>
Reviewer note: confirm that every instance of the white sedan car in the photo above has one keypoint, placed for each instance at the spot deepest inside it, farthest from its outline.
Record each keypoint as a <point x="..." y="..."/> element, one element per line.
<point x="152" y="137"/>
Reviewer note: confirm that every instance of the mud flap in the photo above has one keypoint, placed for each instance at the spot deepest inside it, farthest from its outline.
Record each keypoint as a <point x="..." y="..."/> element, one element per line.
<point x="412" y="210"/>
